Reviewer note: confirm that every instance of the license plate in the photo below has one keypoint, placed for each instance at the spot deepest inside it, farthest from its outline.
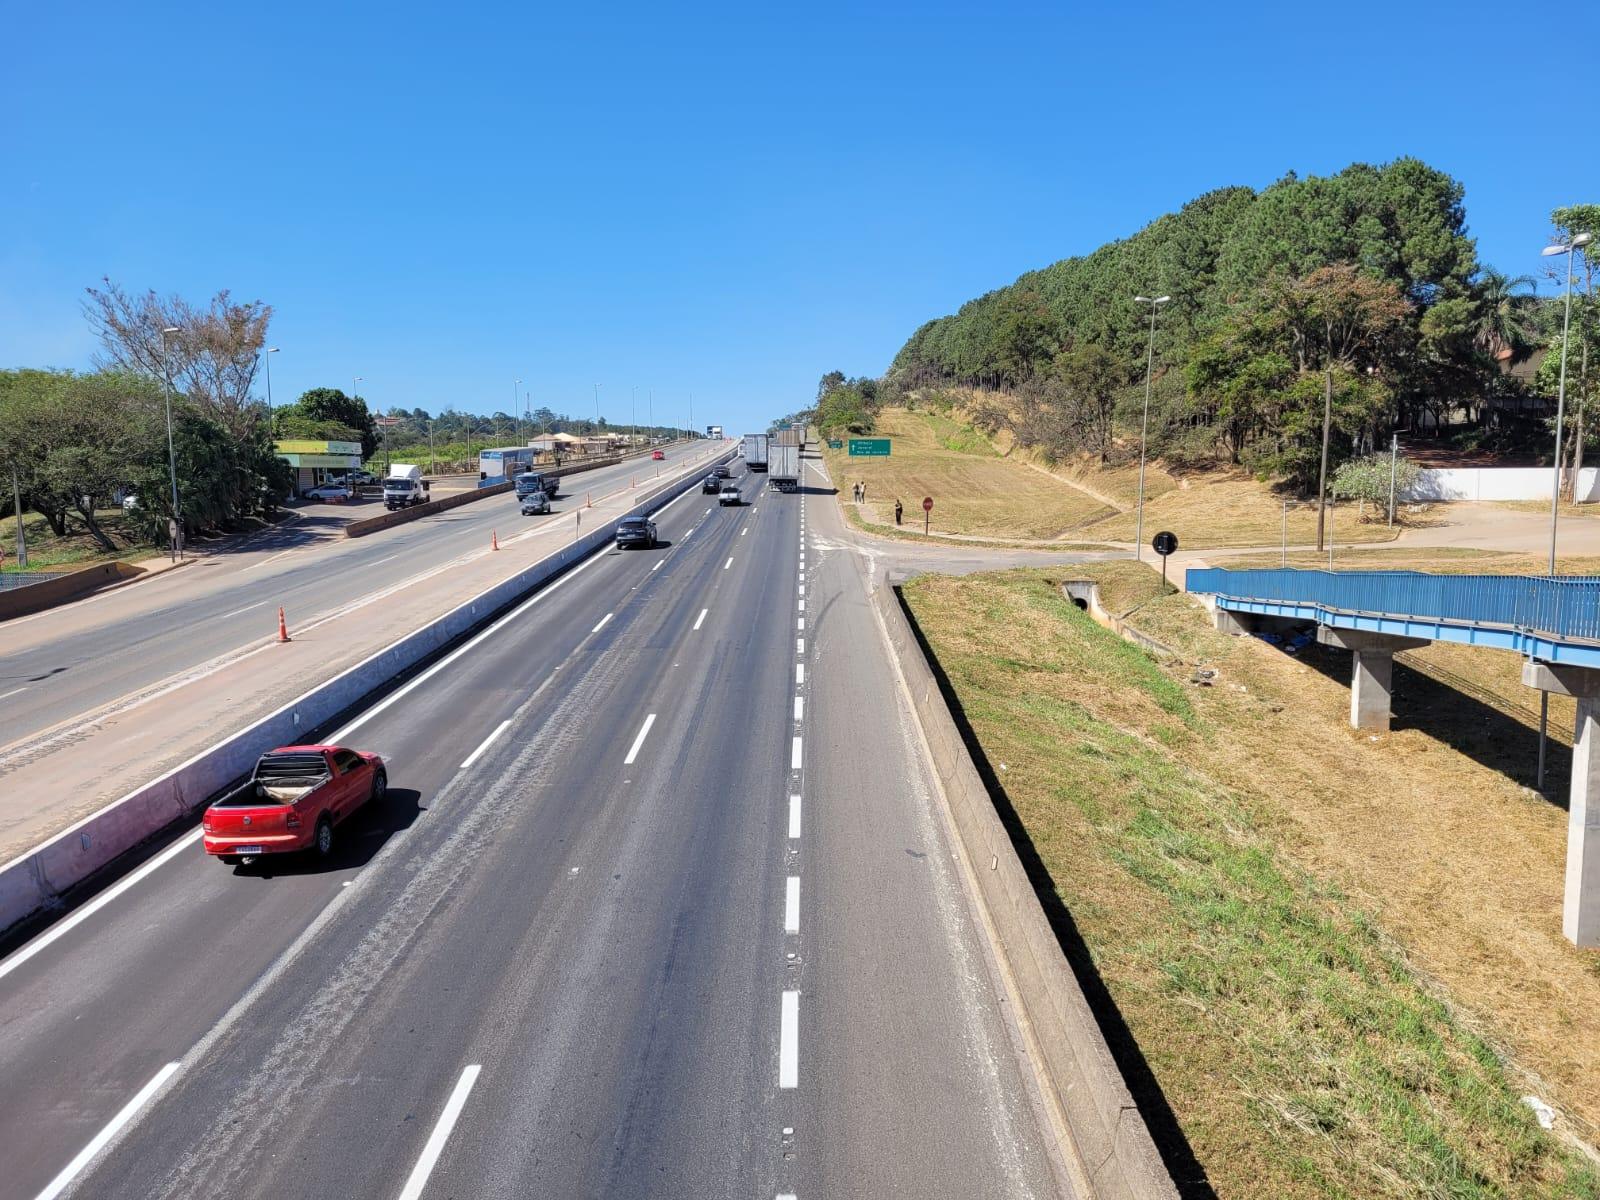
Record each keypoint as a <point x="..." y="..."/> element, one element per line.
<point x="246" y="850"/>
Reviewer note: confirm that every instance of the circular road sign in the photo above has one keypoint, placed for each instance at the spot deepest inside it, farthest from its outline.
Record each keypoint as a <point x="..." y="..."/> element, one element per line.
<point x="1164" y="543"/>
<point x="927" y="504"/>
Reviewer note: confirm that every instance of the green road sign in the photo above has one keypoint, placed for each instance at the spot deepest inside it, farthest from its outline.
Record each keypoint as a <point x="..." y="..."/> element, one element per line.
<point x="869" y="447"/>
<point x="835" y="444"/>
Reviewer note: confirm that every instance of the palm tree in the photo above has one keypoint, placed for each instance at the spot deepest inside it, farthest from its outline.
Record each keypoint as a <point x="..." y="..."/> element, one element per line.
<point x="1505" y="315"/>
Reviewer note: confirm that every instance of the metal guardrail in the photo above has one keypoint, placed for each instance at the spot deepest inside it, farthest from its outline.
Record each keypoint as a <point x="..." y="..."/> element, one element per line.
<point x="1563" y="606"/>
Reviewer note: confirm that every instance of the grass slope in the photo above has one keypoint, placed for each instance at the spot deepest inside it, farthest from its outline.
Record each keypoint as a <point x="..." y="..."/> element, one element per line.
<point x="1236" y="866"/>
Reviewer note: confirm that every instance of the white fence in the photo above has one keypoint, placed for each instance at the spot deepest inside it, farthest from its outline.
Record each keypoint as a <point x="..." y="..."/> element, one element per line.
<point x="1497" y="483"/>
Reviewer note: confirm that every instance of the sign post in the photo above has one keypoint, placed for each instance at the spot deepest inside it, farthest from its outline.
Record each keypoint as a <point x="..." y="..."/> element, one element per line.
<point x="927" y="513"/>
<point x="1164" y="543"/>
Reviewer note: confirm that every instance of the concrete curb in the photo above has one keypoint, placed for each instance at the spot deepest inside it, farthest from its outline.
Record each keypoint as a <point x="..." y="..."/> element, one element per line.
<point x="36" y="878"/>
<point x="1108" y="1134"/>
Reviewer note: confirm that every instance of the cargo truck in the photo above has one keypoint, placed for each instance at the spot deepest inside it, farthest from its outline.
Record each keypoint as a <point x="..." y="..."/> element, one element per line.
<point x="404" y="486"/>
<point x="783" y="465"/>
<point x="755" y="451"/>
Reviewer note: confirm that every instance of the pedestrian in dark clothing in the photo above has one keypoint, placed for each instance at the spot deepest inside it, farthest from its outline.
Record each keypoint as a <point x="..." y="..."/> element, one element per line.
<point x="863" y="489"/>
<point x="897" y="510"/>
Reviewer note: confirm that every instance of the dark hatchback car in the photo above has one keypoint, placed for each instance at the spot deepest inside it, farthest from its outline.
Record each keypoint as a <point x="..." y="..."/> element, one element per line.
<point x="711" y="485"/>
<point x="722" y="471"/>
<point x="636" y="531"/>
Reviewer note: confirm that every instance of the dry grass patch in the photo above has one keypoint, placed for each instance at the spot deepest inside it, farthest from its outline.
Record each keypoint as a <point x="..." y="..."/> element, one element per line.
<point x="1320" y="942"/>
<point x="975" y="491"/>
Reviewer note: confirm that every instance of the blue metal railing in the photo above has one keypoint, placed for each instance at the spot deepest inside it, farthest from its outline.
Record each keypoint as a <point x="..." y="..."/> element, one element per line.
<point x="1564" y="606"/>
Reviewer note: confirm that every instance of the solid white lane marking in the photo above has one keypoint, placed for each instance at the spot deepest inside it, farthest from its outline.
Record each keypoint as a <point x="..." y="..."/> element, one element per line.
<point x="60" y="928"/>
<point x="59" y="1184"/>
<point x="486" y="743"/>
<point x="441" y="1134"/>
<point x="644" y="731"/>
<point x="785" y="1196"/>
<point x="13" y="692"/>
<point x="794" y="755"/>
<point x="728" y="564"/>
<point x="700" y="620"/>
<point x="265" y="561"/>
<point x="799" y="708"/>
<point x="791" y="905"/>
<point x="799" y="645"/>
<point x="602" y="624"/>
<point x="794" y="817"/>
<point x="245" y="609"/>
<point x="381" y="561"/>
<point x="789" y="1042"/>
<point x="799" y="673"/>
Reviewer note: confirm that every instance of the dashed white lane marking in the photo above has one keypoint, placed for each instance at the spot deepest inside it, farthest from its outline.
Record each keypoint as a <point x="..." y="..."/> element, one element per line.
<point x="13" y="692"/>
<point x="59" y="1184"/>
<point x="799" y="673"/>
<point x="441" y="1134"/>
<point x="802" y="589"/>
<point x="799" y="645"/>
<point x="644" y="732"/>
<point x="728" y="564"/>
<point x="786" y="1196"/>
<point x="700" y="620"/>
<point x="799" y="708"/>
<point x="657" y="567"/>
<point x="744" y="531"/>
<point x="602" y="624"/>
<point x="791" y="905"/>
<point x="486" y="743"/>
<point x="245" y="609"/>
<point x="789" y="1042"/>
<point x="265" y="561"/>
<point x="381" y="561"/>
<point x="794" y="755"/>
<point x="802" y="606"/>
<point x="794" y="817"/>
<point x="800" y="624"/>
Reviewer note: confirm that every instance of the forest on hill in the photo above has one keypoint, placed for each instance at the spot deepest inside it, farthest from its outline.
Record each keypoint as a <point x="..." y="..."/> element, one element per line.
<point x="1365" y="283"/>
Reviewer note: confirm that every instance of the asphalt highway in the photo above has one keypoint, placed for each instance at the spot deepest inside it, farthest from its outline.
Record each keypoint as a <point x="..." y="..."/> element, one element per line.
<point x="660" y="904"/>
<point x="66" y="662"/>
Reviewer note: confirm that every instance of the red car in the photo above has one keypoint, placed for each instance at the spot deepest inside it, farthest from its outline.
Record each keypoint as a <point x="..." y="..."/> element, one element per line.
<point x="295" y="797"/>
<point x="658" y="454"/>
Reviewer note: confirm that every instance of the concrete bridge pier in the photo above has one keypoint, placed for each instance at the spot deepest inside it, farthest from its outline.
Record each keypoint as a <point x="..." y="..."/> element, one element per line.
<point x="1372" y="671"/>
<point x="1580" y="903"/>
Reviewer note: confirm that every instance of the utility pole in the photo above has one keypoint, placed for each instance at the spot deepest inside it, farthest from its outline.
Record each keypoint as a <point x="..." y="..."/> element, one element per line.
<point x="1394" y="461"/>
<point x="172" y="454"/>
<point x="1144" y="426"/>
<point x="16" y="507"/>
<point x="1322" y="475"/>
<point x="271" y="409"/>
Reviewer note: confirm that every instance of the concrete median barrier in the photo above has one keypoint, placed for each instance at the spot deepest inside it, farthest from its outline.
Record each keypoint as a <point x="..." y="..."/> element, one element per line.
<point x="36" y="879"/>
<point x="69" y="585"/>
<point x="1109" y="1138"/>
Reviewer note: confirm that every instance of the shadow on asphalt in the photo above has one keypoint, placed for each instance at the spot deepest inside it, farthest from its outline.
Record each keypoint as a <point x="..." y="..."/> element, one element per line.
<point x="355" y="842"/>
<point x="1176" y="1153"/>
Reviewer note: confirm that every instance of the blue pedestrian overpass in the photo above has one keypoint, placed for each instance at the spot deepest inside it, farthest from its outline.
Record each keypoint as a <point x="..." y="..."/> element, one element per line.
<point x="1553" y="622"/>
<point x="1554" y="619"/>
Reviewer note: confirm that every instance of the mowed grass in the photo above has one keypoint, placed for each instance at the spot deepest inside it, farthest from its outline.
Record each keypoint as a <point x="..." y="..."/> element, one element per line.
<point x="47" y="552"/>
<point x="1319" y="957"/>
<point x="975" y="491"/>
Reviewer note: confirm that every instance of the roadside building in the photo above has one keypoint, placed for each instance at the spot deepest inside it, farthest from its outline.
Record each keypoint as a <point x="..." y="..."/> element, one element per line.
<point x="317" y="462"/>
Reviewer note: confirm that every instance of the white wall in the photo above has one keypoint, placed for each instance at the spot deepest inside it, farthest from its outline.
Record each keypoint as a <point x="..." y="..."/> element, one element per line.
<point x="1497" y="483"/>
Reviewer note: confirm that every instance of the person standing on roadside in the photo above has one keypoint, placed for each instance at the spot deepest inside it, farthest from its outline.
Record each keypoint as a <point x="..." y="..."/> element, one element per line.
<point x="863" y="490"/>
<point x="898" y="509"/>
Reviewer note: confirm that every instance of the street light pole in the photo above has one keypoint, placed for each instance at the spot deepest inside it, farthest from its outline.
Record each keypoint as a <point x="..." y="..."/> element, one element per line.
<point x="1582" y="239"/>
<point x="516" y="391"/>
<point x="1144" y="425"/>
<point x="271" y="410"/>
<point x="353" y="397"/>
<point x="172" y="454"/>
<point x="433" y="467"/>
<point x="597" y="409"/>
<point x="16" y="507"/>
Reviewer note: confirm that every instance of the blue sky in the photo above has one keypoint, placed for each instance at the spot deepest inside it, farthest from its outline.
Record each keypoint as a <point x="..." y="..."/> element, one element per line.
<point x="718" y="200"/>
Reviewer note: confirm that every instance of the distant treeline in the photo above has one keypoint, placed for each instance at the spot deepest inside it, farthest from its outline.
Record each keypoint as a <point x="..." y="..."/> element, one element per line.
<point x="1366" y="282"/>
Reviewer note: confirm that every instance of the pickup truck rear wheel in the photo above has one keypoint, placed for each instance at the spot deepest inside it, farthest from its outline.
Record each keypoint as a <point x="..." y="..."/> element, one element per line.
<point x="380" y="786"/>
<point x="324" y="842"/>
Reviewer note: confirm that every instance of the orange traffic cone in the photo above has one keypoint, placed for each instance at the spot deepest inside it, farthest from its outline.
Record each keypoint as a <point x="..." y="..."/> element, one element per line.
<point x="494" y="540"/>
<point x="283" y="628"/>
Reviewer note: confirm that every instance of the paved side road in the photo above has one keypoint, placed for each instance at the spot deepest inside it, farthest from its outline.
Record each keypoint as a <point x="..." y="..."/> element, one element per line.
<point x="660" y="905"/>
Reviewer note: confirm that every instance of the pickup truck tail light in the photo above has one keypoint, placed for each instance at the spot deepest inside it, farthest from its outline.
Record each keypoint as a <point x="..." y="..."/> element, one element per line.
<point x="291" y="820"/>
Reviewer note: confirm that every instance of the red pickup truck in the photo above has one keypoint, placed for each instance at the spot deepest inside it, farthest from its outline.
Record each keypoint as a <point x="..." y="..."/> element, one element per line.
<point x="295" y="797"/>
